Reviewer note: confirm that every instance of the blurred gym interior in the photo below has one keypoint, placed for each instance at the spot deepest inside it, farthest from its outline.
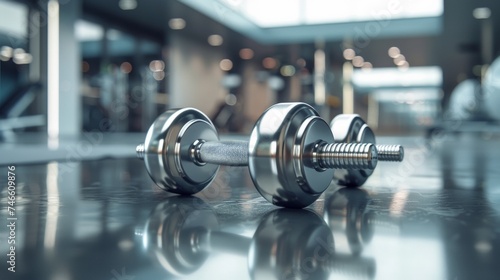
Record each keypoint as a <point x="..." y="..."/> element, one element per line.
<point x="82" y="81"/>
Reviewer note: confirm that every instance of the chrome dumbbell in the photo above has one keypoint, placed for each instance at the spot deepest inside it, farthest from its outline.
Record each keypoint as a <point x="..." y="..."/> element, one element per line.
<point x="182" y="233"/>
<point x="291" y="153"/>
<point x="351" y="128"/>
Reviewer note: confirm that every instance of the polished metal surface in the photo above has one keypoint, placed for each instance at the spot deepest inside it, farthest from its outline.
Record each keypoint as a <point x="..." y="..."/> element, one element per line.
<point x="292" y="153"/>
<point x="394" y="153"/>
<point x="351" y="128"/>
<point x="281" y="145"/>
<point x="233" y="153"/>
<point x="167" y="151"/>
<point x="288" y="154"/>
<point x="348" y="156"/>
<point x="436" y="216"/>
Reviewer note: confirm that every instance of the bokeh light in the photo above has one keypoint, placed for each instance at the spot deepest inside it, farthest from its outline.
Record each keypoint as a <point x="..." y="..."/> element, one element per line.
<point x="177" y="23"/>
<point x="126" y="67"/>
<point x="358" y="61"/>
<point x="287" y="70"/>
<point x="349" y="54"/>
<point x="399" y="60"/>
<point x="226" y="64"/>
<point x="393" y="52"/>
<point x="215" y="40"/>
<point x="269" y="63"/>
<point x="246" y="53"/>
<point x="157" y="65"/>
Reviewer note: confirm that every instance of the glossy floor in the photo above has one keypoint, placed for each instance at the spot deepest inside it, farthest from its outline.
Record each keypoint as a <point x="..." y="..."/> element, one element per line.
<point x="436" y="216"/>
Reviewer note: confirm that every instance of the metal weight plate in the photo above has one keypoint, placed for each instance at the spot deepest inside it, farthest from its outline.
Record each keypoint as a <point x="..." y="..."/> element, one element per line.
<point x="280" y="150"/>
<point x="351" y="128"/>
<point x="168" y="151"/>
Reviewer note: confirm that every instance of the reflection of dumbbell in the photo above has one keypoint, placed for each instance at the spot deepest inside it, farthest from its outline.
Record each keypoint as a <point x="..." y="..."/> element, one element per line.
<point x="181" y="233"/>
<point x="351" y="128"/>
<point x="350" y="214"/>
<point x="291" y="153"/>
<point x="351" y="223"/>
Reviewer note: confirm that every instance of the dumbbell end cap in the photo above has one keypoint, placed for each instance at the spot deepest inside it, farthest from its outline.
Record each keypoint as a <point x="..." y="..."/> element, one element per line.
<point x="395" y="153"/>
<point x="167" y="151"/>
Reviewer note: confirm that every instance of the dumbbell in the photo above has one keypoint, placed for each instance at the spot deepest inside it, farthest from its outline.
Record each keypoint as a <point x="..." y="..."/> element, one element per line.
<point x="351" y="128"/>
<point x="182" y="233"/>
<point x="291" y="153"/>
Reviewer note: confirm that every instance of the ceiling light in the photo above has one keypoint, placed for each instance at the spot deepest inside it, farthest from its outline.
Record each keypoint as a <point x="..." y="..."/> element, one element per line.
<point x="6" y="53"/>
<point x="287" y="70"/>
<point x="481" y="13"/>
<point x="156" y="66"/>
<point x="226" y="64"/>
<point x="127" y="5"/>
<point x="394" y="52"/>
<point x="269" y="63"/>
<point x="367" y="66"/>
<point x="18" y="51"/>
<point x="215" y="40"/>
<point x="349" y="54"/>
<point x="246" y="53"/>
<point x="22" y="58"/>
<point x="399" y="60"/>
<point x="429" y="76"/>
<point x="404" y="66"/>
<point x="177" y="23"/>
<point x="126" y="67"/>
<point x="358" y="61"/>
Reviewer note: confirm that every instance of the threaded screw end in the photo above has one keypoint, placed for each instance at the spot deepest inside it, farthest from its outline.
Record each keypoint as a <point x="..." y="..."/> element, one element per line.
<point x="390" y="153"/>
<point x="140" y="150"/>
<point x="348" y="156"/>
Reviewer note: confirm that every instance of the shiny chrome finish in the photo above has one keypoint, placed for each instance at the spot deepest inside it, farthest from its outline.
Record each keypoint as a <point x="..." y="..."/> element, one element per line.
<point x="350" y="156"/>
<point x="297" y="239"/>
<point x="290" y="153"/>
<point x="290" y="161"/>
<point x="182" y="233"/>
<point x="182" y="151"/>
<point x="171" y="234"/>
<point x="290" y="244"/>
<point x="348" y="216"/>
<point x="140" y="150"/>
<point x="234" y="153"/>
<point x="351" y="128"/>
<point x="167" y="151"/>
<point x="281" y="144"/>
<point x="394" y="153"/>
